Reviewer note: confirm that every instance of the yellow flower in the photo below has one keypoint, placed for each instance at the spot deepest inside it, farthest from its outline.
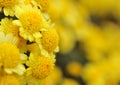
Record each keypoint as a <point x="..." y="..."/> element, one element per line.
<point x="48" y="43"/>
<point x="10" y="59"/>
<point x="9" y="80"/>
<point x="10" y="56"/>
<point x="3" y="39"/>
<point x="49" y="40"/>
<point x="76" y="69"/>
<point x="93" y="75"/>
<point x="39" y="66"/>
<point x="8" y="6"/>
<point x="30" y="21"/>
<point x="8" y="27"/>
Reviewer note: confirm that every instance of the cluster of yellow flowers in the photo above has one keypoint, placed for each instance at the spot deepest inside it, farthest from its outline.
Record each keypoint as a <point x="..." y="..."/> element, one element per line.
<point x="28" y="42"/>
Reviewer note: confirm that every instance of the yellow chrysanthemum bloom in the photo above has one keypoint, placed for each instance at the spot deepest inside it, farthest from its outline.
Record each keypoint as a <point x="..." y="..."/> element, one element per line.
<point x="6" y="38"/>
<point x="44" y="4"/>
<point x="9" y="80"/>
<point x="9" y="59"/>
<point x="40" y="67"/>
<point x="8" y="6"/>
<point x="10" y="56"/>
<point x="8" y="27"/>
<point x="48" y="43"/>
<point x="76" y="69"/>
<point x="44" y="67"/>
<point x="30" y="21"/>
<point x="49" y="40"/>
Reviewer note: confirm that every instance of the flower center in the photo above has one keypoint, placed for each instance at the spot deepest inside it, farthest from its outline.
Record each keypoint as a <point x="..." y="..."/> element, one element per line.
<point x="31" y="20"/>
<point x="9" y="54"/>
<point x="49" y="40"/>
<point x="42" y="67"/>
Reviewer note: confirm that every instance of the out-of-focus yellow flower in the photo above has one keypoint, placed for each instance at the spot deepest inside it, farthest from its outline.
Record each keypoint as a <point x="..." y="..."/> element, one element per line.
<point x="53" y="13"/>
<point x="56" y="75"/>
<point x="68" y="81"/>
<point x="111" y="81"/>
<point x="111" y="33"/>
<point x="74" y="69"/>
<point x="92" y="75"/>
<point x="100" y="7"/>
<point x="67" y="38"/>
<point x="95" y="44"/>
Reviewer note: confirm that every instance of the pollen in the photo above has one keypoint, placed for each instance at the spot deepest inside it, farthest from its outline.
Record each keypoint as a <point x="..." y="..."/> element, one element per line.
<point x="8" y="3"/>
<point x="44" y="4"/>
<point x="49" y="40"/>
<point x="9" y="54"/>
<point x="31" y="20"/>
<point x="42" y="67"/>
<point x="9" y="80"/>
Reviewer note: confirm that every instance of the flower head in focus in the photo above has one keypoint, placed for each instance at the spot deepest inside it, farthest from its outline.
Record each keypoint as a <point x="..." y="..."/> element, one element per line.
<point x="30" y="22"/>
<point x="40" y="66"/>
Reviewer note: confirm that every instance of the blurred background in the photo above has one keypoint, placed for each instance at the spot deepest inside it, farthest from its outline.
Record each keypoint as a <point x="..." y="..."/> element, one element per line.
<point x="89" y="32"/>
